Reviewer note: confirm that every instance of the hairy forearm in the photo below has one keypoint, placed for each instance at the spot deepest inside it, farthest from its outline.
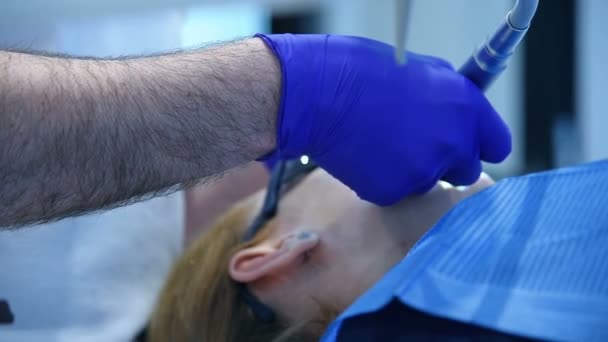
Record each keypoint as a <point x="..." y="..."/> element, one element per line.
<point x="82" y="134"/>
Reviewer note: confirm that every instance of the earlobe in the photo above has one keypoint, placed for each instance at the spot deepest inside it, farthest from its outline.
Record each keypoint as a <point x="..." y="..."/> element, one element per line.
<point x="256" y="262"/>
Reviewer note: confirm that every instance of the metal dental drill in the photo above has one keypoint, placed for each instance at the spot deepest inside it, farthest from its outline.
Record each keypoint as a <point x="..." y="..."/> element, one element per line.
<point x="491" y="58"/>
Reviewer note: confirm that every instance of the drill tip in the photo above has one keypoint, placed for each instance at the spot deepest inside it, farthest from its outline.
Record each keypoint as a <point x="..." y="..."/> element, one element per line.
<point x="402" y="11"/>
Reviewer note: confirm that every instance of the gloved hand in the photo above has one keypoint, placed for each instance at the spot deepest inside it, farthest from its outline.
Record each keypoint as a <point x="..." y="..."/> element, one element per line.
<point x="385" y="130"/>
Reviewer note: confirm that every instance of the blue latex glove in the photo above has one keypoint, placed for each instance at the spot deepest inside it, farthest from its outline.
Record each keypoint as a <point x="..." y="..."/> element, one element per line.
<point x="385" y="130"/>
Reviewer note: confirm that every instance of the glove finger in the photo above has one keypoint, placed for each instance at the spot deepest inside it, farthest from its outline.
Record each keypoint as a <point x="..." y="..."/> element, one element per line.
<point x="494" y="134"/>
<point x="464" y="173"/>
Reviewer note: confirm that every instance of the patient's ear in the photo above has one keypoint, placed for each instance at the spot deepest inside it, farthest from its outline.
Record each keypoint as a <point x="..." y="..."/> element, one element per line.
<point x="253" y="263"/>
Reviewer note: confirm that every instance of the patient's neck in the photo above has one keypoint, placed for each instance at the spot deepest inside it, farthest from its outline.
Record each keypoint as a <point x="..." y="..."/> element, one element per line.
<point x="410" y="219"/>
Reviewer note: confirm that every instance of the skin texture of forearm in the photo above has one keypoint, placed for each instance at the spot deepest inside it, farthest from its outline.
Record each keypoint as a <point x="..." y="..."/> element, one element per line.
<point x="82" y="134"/>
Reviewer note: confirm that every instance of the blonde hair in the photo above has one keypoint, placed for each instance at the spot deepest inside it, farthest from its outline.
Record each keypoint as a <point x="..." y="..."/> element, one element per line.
<point x="200" y="302"/>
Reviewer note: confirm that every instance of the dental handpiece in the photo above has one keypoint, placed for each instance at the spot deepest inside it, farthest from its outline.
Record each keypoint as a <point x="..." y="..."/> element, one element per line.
<point x="492" y="57"/>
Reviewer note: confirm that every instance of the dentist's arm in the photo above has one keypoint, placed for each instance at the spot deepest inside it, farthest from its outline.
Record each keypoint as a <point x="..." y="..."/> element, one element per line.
<point x="78" y="134"/>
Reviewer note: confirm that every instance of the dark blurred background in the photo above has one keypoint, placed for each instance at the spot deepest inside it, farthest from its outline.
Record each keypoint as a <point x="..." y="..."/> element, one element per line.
<point x="551" y="96"/>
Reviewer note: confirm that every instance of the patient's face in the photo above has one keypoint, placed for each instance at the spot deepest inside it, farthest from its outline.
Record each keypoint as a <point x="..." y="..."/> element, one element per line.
<point x="328" y="246"/>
